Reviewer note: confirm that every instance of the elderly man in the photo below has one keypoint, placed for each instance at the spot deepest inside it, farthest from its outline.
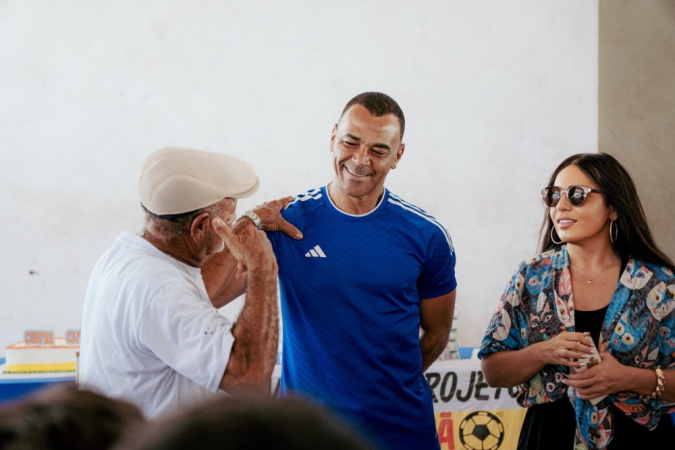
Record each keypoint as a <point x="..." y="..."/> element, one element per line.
<point x="370" y="271"/>
<point x="150" y="334"/>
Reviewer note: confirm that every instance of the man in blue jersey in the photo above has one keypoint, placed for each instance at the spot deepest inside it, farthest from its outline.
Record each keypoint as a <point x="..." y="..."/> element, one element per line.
<point x="370" y="271"/>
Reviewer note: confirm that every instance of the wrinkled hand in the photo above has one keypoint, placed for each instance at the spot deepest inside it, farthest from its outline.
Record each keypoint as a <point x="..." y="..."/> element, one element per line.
<point x="602" y="379"/>
<point x="566" y="348"/>
<point x="270" y="216"/>
<point x="250" y="247"/>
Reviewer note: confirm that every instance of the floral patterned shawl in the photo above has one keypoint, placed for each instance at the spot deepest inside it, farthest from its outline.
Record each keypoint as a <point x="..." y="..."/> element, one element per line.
<point x="638" y="330"/>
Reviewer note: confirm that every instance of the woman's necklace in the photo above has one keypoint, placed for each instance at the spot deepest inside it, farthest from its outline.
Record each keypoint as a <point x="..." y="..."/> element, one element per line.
<point x="591" y="280"/>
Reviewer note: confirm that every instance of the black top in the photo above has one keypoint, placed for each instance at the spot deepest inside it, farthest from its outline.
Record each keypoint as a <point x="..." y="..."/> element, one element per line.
<point x="590" y="321"/>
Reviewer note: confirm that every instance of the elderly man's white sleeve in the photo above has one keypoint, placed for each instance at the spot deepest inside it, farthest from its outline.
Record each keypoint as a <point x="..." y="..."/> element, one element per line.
<point x="188" y="334"/>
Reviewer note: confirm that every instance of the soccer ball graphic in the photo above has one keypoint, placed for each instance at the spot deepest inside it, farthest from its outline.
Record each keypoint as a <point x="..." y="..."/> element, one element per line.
<point x="481" y="431"/>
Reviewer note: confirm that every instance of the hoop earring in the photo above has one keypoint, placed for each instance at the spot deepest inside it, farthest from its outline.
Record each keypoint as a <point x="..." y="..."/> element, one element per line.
<point x="556" y="243"/>
<point x="613" y="232"/>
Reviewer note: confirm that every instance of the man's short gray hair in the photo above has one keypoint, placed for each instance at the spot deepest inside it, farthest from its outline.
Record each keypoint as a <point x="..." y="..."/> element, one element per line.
<point x="166" y="230"/>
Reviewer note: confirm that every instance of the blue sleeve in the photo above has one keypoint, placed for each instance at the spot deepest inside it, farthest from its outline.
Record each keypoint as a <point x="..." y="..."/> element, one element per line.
<point x="438" y="274"/>
<point x="273" y="236"/>
<point x="276" y="236"/>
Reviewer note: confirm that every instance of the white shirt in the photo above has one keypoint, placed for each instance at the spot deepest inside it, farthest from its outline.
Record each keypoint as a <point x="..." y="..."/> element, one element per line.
<point x="150" y="334"/>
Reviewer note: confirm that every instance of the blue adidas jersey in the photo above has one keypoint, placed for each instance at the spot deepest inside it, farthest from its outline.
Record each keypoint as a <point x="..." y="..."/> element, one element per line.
<point x="350" y="295"/>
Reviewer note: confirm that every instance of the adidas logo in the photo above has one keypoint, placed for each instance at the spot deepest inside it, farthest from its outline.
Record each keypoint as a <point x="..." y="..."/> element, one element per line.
<point x="316" y="252"/>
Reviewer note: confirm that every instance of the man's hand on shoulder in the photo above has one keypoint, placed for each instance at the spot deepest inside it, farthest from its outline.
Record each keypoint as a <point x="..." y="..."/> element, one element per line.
<point x="224" y="273"/>
<point x="271" y="219"/>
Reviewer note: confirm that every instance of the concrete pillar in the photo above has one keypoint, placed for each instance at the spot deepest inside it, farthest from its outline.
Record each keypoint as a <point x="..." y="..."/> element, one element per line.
<point x="637" y="102"/>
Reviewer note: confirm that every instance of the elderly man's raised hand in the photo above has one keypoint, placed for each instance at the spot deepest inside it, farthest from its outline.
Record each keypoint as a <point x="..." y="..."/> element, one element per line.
<point x="270" y="216"/>
<point x="224" y="273"/>
<point x="250" y="247"/>
<point x="256" y="331"/>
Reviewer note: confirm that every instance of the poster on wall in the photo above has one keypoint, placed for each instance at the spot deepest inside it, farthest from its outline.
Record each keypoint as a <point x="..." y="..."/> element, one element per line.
<point x="470" y="415"/>
<point x="479" y="430"/>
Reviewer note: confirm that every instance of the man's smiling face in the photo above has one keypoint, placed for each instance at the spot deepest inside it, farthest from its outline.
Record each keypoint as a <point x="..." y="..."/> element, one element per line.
<point x="365" y="148"/>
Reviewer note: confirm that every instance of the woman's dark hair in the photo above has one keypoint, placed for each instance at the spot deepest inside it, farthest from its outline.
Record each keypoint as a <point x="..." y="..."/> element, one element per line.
<point x="634" y="237"/>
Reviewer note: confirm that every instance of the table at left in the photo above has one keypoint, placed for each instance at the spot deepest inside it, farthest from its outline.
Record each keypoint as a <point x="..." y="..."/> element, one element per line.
<point x="15" y="385"/>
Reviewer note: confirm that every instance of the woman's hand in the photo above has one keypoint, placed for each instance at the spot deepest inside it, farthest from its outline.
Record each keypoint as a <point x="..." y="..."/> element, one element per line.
<point x="566" y="348"/>
<point x="603" y="379"/>
<point x="510" y="368"/>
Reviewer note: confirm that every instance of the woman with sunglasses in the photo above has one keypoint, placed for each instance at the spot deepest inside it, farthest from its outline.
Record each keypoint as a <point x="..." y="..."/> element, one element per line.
<point x="600" y="282"/>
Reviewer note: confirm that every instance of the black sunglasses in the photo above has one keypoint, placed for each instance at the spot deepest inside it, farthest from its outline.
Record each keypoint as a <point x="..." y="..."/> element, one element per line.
<point x="576" y="195"/>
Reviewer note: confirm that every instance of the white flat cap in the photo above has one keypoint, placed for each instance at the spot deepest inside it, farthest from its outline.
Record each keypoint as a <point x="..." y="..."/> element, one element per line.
<point x="177" y="180"/>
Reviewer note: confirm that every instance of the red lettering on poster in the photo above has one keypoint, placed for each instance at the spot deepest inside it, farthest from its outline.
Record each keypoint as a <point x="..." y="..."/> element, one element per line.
<point x="445" y="432"/>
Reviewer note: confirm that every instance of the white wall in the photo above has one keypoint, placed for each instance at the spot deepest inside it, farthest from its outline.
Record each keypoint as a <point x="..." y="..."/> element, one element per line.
<point x="495" y="94"/>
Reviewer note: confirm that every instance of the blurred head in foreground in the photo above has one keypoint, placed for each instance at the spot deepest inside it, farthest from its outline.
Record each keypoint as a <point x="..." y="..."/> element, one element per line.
<point x="63" y="417"/>
<point x="244" y="423"/>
